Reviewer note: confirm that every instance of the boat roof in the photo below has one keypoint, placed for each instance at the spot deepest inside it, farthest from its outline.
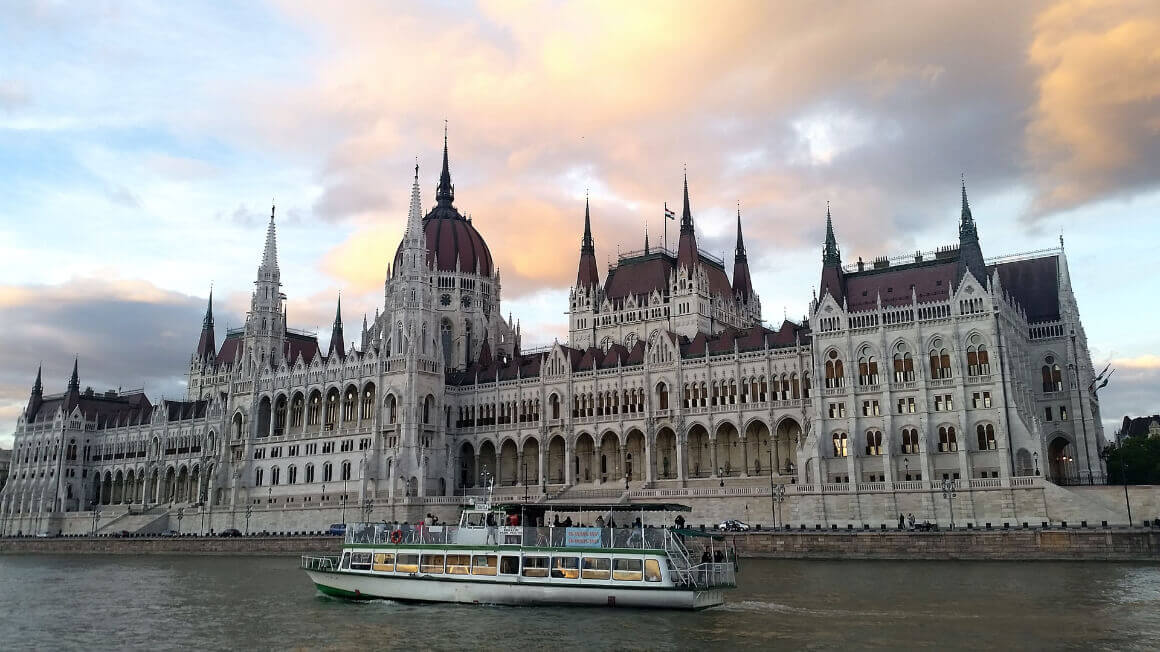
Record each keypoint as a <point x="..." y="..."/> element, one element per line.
<point x="596" y="507"/>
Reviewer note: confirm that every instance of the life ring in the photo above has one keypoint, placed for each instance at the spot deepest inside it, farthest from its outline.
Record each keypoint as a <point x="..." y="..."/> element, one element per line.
<point x="396" y="537"/>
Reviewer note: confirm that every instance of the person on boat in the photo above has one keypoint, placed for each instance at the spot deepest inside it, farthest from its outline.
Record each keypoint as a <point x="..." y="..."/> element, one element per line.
<point x="556" y="521"/>
<point x="568" y="521"/>
<point x="636" y="525"/>
<point x="706" y="557"/>
<point x="600" y="522"/>
<point x="679" y="521"/>
<point x="718" y="556"/>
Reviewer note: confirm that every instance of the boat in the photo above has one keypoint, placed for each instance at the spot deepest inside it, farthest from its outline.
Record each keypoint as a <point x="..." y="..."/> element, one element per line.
<point x="491" y="557"/>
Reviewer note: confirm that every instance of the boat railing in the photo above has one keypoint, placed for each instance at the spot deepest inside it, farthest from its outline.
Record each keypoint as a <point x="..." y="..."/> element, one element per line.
<point x="708" y="575"/>
<point x="652" y="538"/>
<point x="319" y="563"/>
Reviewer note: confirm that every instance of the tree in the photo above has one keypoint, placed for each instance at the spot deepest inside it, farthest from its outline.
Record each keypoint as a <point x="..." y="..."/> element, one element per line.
<point x="1139" y="459"/>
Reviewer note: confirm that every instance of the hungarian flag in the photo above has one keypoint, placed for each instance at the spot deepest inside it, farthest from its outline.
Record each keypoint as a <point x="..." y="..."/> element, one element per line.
<point x="668" y="213"/>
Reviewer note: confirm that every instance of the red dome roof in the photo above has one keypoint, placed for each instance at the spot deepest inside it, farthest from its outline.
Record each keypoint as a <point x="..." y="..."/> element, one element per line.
<point x="452" y="238"/>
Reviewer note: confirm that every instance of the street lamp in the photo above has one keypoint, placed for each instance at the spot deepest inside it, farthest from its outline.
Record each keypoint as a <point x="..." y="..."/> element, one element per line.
<point x="180" y="515"/>
<point x="778" y="499"/>
<point x="249" y="508"/>
<point x="96" y="517"/>
<point x="906" y="466"/>
<point x="949" y="487"/>
<point x="1035" y="456"/>
<point x="525" y="481"/>
<point x="368" y="506"/>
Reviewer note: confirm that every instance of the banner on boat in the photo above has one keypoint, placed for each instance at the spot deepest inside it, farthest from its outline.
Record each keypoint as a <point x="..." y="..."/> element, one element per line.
<point x="582" y="537"/>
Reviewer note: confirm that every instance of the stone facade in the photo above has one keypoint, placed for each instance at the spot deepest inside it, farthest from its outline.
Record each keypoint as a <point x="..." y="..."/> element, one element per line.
<point x="905" y="373"/>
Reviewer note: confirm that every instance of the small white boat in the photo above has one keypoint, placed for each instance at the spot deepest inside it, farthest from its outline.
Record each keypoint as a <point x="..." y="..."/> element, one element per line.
<point x="484" y="561"/>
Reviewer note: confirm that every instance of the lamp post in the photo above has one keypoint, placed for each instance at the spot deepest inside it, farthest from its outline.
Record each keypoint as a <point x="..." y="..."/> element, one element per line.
<point x="906" y="466"/>
<point x="96" y="517"/>
<point x="180" y="515"/>
<point x="368" y="506"/>
<point x="772" y="491"/>
<point x="949" y="492"/>
<point x="249" y="509"/>
<point x="525" y="482"/>
<point x="778" y="498"/>
<point x="1035" y="456"/>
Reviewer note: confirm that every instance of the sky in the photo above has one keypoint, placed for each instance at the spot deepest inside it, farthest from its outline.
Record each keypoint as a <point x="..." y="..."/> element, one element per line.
<point x="142" y="145"/>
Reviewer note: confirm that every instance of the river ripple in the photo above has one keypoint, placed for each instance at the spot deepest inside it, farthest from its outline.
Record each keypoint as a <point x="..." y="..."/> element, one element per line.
<point x="171" y="602"/>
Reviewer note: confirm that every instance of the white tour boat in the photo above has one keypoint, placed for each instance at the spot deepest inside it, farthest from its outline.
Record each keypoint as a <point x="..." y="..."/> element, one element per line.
<point x="491" y="558"/>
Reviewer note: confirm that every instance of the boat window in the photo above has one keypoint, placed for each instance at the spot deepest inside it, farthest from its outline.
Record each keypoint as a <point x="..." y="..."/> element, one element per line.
<point x="509" y="565"/>
<point x="432" y="564"/>
<point x="458" y="564"/>
<point x="384" y="561"/>
<point x="535" y="566"/>
<point x="652" y="570"/>
<point x="360" y="561"/>
<point x="475" y="519"/>
<point x="567" y="568"/>
<point x="483" y="565"/>
<point x="627" y="570"/>
<point x="596" y="568"/>
<point x="407" y="564"/>
<point x="345" y="560"/>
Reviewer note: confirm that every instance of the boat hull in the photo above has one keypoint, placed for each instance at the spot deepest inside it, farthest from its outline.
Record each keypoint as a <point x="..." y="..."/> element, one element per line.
<point x="360" y="586"/>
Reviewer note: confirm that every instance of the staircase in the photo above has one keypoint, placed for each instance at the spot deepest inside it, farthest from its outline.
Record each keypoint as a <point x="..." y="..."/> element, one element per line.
<point x="152" y="520"/>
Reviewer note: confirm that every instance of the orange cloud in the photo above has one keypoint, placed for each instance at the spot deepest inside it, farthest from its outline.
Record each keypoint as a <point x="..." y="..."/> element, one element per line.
<point x="1096" y="123"/>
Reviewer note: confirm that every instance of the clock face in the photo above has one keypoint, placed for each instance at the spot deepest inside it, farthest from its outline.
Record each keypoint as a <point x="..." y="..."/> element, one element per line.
<point x="466" y="302"/>
<point x="445" y="299"/>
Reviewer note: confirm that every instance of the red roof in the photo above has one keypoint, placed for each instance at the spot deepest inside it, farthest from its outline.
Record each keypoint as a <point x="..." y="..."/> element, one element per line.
<point x="1034" y="283"/>
<point x="931" y="280"/>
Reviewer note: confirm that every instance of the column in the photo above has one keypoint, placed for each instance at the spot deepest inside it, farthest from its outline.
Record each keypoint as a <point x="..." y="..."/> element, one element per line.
<point x="744" y="456"/>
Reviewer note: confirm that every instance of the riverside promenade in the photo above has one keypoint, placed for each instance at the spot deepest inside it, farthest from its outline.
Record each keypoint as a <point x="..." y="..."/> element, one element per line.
<point x="1053" y="543"/>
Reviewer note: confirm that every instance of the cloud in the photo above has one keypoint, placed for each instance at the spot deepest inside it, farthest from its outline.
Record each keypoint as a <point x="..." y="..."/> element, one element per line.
<point x="125" y="334"/>
<point x="13" y="95"/>
<point x="1095" y="128"/>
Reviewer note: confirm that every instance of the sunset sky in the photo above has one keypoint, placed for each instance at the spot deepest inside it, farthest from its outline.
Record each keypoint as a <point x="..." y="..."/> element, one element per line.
<point x="141" y="146"/>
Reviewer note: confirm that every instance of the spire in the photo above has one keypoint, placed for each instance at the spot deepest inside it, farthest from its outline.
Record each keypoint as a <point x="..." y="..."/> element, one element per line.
<point x="742" y="283"/>
<point x="970" y="254"/>
<point x="206" y="343"/>
<point x="831" y="255"/>
<point x="646" y="238"/>
<point x="74" y="381"/>
<point x="336" y="342"/>
<point x="833" y="279"/>
<point x="445" y="195"/>
<point x="586" y="273"/>
<point x="35" y="400"/>
<point x="270" y="252"/>
<point x="687" y="255"/>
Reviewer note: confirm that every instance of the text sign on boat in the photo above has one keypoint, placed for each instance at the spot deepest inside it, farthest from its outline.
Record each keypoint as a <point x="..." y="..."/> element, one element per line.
<point x="582" y="537"/>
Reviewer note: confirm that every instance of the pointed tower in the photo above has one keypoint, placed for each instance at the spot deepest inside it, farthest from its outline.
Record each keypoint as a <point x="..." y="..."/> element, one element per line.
<point x="970" y="254"/>
<point x="742" y="284"/>
<point x="264" y="328"/>
<point x="833" y="279"/>
<point x="36" y="398"/>
<point x="206" y="344"/>
<point x="445" y="193"/>
<point x="587" y="275"/>
<point x="72" y="396"/>
<point x="336" y="343"/>
<point x="687" y="255"/>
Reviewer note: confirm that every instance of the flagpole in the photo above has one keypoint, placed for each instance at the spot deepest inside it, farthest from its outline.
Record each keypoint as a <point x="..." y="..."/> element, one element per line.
<point x="666" y="221"/>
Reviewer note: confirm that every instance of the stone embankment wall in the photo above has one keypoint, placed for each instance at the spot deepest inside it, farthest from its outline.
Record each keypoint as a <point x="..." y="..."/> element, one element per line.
<point x="1093" y="544"/>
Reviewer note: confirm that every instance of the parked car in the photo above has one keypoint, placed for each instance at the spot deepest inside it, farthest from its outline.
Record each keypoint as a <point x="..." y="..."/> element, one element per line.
<point x="231" y="532"/>
<point x="170" y="533"/>
<point x="733" y="525"/>
<point x="337" y="529"/>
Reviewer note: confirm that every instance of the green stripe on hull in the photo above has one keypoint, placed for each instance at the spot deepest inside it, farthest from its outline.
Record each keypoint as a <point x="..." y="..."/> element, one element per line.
<point x="340" y="593"/>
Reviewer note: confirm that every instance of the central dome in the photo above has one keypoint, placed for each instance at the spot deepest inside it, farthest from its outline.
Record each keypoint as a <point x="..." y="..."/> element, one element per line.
<point x="452" y="241"/>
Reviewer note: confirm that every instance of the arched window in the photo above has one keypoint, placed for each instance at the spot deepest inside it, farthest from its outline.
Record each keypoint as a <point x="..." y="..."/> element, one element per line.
<point x="840" y="441"/>
<point x="368" y="402"/>
<point x="275" y="475"/>
<point x="428" y="403"/>
<point x="292" y="475"/>
<point x="315" y="409"/>
<point x="903" y="364"/>
<point x="834" y="371"/>
<point x="947" y="440"/>
<point x="297" y="408"/>
<point x="554" y="405"/>
<point x="874" y="442"/>
<point x="327" y="472"/>
<point x="940" y="363"/>
<point x="986" y="433"/>
<point x="978" y="362"/>
<point x="345" y="470"/>
<point x="867" y="368"/>
<point x="909" y="441"/>
<point x="258" y="477"/>
<point x="348" y="405"/>
<point x="392" y="404"/>
<point x="445" y="340"/>
<point x="1052" y="375"/>
<point x="331" y="409"/>
<point x="309" y="473"/>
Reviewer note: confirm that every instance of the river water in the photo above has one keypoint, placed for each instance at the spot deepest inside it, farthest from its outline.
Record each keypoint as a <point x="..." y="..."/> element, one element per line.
<point x="171" y="602"/>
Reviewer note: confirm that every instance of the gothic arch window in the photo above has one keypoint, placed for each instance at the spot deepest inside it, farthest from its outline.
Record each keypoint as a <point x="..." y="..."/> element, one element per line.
<point x="292" y="475"/>
<point x="840" y="441"/>
<point x="978" y="359"/>
<point x="947" y="439"/>
<point x="940" y="361"/>
<point x="835" y="372"/>
<point x="445" y="339"/>
<point x="867" y="367"/>
<point x="309" y="473"/>
<point x="910" y="441"/>
<point x="606" y="344"/>
<point x="903" y="364"/>
<point x="874" y="442"/>
<point x="1052" y="375"/>
<point x="275" y="476"/>
<point x="986" y="433"/>
<point x="327" y="472"/>
<point x="258" y="477"/>
<point x="345" y="470"/>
